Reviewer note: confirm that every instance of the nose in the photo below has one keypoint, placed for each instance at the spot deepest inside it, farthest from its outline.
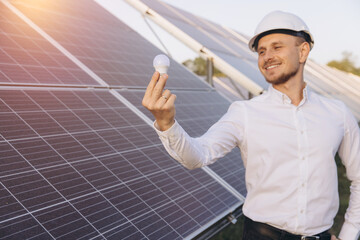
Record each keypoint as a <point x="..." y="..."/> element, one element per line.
<point x="268" y="56"/>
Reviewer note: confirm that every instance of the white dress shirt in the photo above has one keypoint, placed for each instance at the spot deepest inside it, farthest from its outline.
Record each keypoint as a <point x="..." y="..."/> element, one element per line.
<point x="288" y="152"/>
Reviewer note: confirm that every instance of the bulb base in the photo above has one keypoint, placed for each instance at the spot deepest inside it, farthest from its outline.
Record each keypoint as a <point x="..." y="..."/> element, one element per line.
<point x="162" y="69"/>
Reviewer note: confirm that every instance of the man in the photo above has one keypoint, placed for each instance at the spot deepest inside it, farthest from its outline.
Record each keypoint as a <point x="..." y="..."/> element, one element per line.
<point x="288" y="138"/>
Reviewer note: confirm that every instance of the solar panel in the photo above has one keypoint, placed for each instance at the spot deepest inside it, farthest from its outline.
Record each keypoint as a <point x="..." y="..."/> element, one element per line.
<point x="95" y="177"/>
<point x="77" y="159"/>
<point x="231" y="46"/>
<point x="197" y="112"/>
<point x="226" y="48"/>
<point x="120" y="56"/>
<point x="27" y="58"/>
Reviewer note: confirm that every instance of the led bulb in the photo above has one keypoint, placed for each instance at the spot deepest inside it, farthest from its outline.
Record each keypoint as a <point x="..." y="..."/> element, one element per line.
<point x="161" y="63"/>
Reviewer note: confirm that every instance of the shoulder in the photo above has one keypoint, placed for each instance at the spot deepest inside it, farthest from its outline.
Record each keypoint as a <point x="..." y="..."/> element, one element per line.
<point x="328" y="103"/>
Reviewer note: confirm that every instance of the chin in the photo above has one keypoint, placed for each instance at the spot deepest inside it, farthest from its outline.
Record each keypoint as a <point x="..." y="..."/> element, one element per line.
<point x="277" y="81"/>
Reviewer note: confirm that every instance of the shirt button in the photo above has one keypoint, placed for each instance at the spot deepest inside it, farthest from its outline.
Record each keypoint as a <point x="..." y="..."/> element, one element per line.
<point x="303" y="158"/>
<point x="302" y="132"/>
<point x="302" y="211"/>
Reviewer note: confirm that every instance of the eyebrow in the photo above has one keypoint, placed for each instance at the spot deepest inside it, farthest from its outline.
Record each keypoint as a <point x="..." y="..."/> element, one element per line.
<point x="272" y="44"/>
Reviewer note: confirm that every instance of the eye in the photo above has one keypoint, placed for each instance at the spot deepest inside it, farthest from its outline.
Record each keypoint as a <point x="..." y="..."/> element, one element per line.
<point x="261" y="52"/>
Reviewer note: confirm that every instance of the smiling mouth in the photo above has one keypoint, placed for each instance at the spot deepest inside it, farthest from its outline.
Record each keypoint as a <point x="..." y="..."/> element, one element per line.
<point x="272" y="66"/>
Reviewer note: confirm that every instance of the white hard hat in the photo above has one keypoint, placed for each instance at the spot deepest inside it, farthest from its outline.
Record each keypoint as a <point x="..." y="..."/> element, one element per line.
<point x="281" y="22"/>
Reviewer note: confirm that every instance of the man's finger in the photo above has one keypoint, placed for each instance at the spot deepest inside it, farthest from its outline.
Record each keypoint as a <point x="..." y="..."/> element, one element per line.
<point x="171" y="100"/>
<point x="165" y="96"/>
<point x="159" y="87"/>
<point x="152" y="84"/>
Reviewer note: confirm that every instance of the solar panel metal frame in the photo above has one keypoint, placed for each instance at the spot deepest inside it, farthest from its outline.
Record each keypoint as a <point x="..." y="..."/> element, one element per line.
<point x="197" y="46"/>
<point x="219" y="63"/>
<point x="105" y="87"/>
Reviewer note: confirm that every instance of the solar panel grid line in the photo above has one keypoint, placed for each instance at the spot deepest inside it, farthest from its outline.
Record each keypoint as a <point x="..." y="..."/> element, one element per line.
<point x="53" y="42"/>
<point x="354" y="88"/>
<point x="46" y="180"/>
<point x="349" y="78"/>
<point x="196" y="46"/>
<point x="208" y="28"/>
<point x="193" y="119"/>
<point x="242" y="44"/>
<point x="16" y="41"/>
<point x="109" y="169"/>
<point x="202" y="229"/>
<point x="231" y="71"/>
<point x="229" y="89"/>
<point x="229" y="187"/>
<point x="131" y="77"/>
<point x="206" y="169"/>
<point x="222" y="93"/>
<point x="77" y="161"/>
<point x="27" y="67"/>
<point x="84" y="195"/>
<point x="90" y="183"/>
<point x="19" y="202"/>
<point x="71" y="56"/>
<point x="183" y="18"/>
<point x="27" y="208"/>
<point x="110" y="124"/>
<point x="334" y="84"/>
<point x="333" y="80"/>
<point x="162" y="207"/>
<point x="344" y="97"/>
<point x="236" y="35"/>
<point x="205" y="32"/>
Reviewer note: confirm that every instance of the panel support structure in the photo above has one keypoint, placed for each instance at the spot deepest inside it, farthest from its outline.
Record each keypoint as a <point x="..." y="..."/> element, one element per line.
<point x="209" y="71"/>
<point x="219" y="63"/>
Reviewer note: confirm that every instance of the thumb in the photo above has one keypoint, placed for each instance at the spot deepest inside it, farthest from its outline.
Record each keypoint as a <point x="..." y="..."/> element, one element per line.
<point x="333" y="237"/>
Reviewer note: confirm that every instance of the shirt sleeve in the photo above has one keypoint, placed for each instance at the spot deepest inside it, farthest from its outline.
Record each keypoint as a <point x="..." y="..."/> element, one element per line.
<point x="193" y="153"/>
<point x="349" y="153"/>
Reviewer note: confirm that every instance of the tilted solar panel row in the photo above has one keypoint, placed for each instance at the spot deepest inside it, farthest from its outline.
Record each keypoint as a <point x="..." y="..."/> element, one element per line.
<point x="230" y="46"/>
<point x="77" y="160"/>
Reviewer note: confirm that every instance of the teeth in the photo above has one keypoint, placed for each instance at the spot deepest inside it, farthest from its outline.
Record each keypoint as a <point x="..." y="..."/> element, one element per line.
<point x="273" y="66"/>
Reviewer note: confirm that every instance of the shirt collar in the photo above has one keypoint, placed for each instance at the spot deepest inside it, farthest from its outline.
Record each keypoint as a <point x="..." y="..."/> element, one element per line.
<point x="280" y="97"/>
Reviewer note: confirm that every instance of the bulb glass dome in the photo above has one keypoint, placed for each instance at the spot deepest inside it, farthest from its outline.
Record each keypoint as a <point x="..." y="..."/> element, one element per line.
<point x="161" y="63"/>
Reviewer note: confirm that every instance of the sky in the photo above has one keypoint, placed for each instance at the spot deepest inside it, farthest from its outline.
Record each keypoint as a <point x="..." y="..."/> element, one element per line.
<point x="334" y="24"/>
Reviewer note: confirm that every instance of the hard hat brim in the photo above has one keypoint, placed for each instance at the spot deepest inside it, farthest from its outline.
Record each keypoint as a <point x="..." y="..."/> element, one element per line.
<point x="252" y="43"/>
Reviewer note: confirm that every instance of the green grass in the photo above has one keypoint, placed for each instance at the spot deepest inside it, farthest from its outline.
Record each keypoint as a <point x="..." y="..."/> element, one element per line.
<point x="234" y="231"/>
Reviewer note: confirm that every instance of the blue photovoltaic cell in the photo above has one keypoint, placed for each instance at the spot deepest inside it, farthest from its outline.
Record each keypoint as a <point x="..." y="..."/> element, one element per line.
<point x="75" y="162"/>
<point x="96" y="177"/>
<point x="27" y="58"/>
<point x="214" y="38"/>
<point x="232" y="48"/>
<point x="120" y="56"/>
<point x="197" y="112"/>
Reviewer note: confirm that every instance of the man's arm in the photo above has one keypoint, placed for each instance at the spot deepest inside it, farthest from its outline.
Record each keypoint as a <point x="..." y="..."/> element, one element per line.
<point x="349" y="153"/>
<point x="190" y="152"/>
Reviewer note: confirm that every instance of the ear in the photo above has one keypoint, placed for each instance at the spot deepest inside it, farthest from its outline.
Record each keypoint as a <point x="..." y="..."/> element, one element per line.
<point x="304" y="50"/>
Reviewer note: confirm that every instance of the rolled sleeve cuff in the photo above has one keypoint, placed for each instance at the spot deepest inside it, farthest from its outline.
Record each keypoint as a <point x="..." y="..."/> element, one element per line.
<point x="168" y="137"/>
<point x="168" y="133"/>
<point x="348" y="232"/>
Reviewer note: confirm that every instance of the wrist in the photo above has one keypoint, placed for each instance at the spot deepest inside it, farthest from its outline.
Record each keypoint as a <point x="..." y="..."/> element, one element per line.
<point x="163" y="126"/>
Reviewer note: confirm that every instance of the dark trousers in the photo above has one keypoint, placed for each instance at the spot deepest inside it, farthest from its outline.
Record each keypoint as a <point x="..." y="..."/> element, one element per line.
<point x="260" y="231"/>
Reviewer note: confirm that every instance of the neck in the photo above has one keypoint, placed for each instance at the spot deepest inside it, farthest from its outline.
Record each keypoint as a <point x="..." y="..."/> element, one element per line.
<point x="293" y="88"/>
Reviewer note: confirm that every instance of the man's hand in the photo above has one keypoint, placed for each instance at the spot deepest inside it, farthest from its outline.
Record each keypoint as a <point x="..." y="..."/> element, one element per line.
<point x="159" y="102"/>
<point x="333" y="237"/>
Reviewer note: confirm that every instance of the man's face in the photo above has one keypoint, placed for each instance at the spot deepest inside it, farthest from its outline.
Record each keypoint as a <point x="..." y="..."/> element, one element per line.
<point x="278" y="57"/>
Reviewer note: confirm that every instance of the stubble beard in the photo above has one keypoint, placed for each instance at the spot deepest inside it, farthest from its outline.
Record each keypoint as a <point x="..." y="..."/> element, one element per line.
<point x="283" y="78"/>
